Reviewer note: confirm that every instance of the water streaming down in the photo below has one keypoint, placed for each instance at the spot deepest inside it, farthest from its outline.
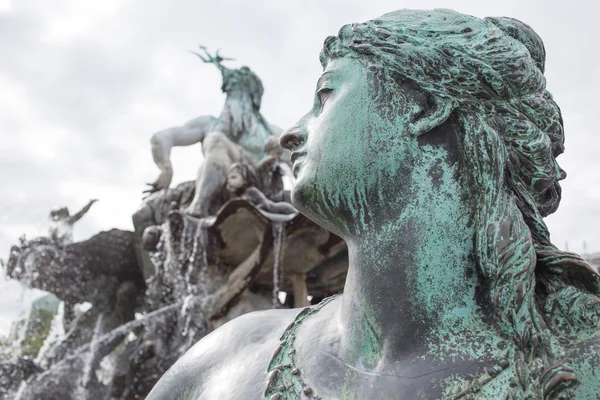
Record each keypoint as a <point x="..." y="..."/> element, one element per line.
<point x="189" y="290"/>
<point x="195" y="277"/>
<point x="184" y="312"/>
<point x="125" y="329"/>
<point x="181" y="260"/>
<point x="20" y="391"/>
<point x="56" y="333"/>
<point x="182" y="248"/>
<point x="21" y="327"/>
<point x="278" y="233"/>
<point x="90" y="358"/>
<point x="20" y="335"/>
<point x="121" y="360"/>
<point x="169" y="283"/>
<point x="81" y="363"/>
<point x="21" y="331"/>
<point x="196" y="264"/>
<point x="192" y="258"/>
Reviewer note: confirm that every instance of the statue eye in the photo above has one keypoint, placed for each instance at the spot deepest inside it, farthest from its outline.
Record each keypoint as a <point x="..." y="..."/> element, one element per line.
<point x="323" y="95"/>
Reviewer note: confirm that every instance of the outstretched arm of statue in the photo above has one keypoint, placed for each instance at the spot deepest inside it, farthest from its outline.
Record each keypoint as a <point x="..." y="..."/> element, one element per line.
<point x="82" y="212"/>
<point x="192" y="132"/>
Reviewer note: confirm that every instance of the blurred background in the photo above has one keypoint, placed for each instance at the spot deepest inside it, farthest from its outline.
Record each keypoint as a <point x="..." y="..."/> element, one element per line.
<point x="84" y="84"/>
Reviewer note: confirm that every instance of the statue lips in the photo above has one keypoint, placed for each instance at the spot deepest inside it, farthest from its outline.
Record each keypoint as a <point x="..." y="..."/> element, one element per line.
<point x="295" y="166"/>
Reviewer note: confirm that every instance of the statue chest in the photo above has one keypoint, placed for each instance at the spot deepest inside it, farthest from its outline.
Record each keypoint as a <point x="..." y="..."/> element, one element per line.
<point x="253" y="141"/>
<point x="347" y="383"/>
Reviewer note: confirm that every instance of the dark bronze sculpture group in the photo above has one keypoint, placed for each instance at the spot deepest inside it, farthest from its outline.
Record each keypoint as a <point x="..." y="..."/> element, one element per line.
<point x="201" y="254"/>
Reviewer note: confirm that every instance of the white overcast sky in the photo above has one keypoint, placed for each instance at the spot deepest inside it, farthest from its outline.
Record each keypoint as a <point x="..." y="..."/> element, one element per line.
<point x="84" y="84"/>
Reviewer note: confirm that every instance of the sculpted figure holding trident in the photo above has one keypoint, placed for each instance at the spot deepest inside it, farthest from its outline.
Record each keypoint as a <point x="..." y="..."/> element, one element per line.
<point x="431" y="150"/>
<point x="237" y="135"/>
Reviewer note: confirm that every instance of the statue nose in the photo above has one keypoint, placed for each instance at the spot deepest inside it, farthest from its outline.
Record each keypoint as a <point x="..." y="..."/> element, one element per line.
<point x="292" y="138"/>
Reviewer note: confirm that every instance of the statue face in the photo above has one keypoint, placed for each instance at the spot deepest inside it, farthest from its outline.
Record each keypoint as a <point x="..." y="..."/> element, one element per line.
<point x="61" y="213"/>
<point x="235" y="180"/>
<point x="347" y="160"/>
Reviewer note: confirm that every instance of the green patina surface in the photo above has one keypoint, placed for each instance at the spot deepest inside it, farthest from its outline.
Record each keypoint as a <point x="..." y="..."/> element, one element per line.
<point x="458" y="223"/>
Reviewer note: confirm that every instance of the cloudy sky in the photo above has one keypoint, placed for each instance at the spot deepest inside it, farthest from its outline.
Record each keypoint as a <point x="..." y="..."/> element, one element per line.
<point x="84" y="84"/>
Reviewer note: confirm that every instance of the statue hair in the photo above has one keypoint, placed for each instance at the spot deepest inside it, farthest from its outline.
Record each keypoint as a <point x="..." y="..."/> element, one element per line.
<point x="511" y="131"/>
<point x="243" y="79"/>
<point x="235" y="82"/>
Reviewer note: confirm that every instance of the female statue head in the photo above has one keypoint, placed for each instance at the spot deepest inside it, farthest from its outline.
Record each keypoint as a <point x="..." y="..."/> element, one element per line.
<point x="418" y="103"/>
<point x="430" y="149"/>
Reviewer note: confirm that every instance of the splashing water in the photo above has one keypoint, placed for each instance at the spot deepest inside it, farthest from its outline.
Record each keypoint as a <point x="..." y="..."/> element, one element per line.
<point x="184" y="314"/>
<point x="278" y="233"/>
<point x="98" y="342"/>
<point x="195" y="279"/>
<point x="56" y="332"/>
<point x="173" y="262"/>
<point x="182" y="246"/>
<point x="26" y="299"/>
<point x="19" y="337"/>
<point x="91" y="355"/>
<point x="191" y="268"/>
<point x="196" y="283"/>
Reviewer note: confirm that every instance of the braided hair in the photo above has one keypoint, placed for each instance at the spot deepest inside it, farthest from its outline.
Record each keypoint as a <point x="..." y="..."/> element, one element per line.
<point x="492" y="72"/>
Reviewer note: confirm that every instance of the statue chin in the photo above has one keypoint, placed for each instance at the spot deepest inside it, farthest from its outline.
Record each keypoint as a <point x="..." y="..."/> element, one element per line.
<point x="304" y="197"/>
<point x="307" y="199"/>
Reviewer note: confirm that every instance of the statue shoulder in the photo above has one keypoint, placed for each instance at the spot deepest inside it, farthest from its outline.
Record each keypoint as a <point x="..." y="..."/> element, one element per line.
<point x="204" y="121"/>
<point x="239" y="351"/>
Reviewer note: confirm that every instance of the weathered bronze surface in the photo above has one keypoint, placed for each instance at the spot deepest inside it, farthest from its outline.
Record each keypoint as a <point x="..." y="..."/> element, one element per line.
<point x="430" y="149"/>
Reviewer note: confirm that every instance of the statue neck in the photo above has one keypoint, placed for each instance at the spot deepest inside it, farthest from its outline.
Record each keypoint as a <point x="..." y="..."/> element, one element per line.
<point x="409" y="280"/>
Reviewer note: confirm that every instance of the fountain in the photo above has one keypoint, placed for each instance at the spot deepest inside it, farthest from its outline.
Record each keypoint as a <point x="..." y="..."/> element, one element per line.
<point x="201" y="254"/>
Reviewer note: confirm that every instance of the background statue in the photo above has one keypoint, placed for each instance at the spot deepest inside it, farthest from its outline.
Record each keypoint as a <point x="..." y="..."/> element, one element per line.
<point x="430" y="150"/>
<point x="61" y="223"/>
<point x="158" y="290"/>
<point x="241" y="182"/>
<point x="271" y="170"/>
<point x="237" y="135"/>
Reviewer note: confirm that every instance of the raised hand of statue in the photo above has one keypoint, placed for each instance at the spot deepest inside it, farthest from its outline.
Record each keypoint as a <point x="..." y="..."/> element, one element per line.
<point x="162" y="182"/>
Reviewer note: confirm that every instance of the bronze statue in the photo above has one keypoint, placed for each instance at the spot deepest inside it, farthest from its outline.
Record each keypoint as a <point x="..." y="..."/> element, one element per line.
<point x="237" y="135"/>
<point x="241" y="182"/>
<point x="61" y="223"/>
<point x="430" y="149"/>
<point x="158" y="290"/>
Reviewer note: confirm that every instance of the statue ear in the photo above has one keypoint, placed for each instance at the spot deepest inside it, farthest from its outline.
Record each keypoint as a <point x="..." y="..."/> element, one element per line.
<point x="433" y="113"/>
